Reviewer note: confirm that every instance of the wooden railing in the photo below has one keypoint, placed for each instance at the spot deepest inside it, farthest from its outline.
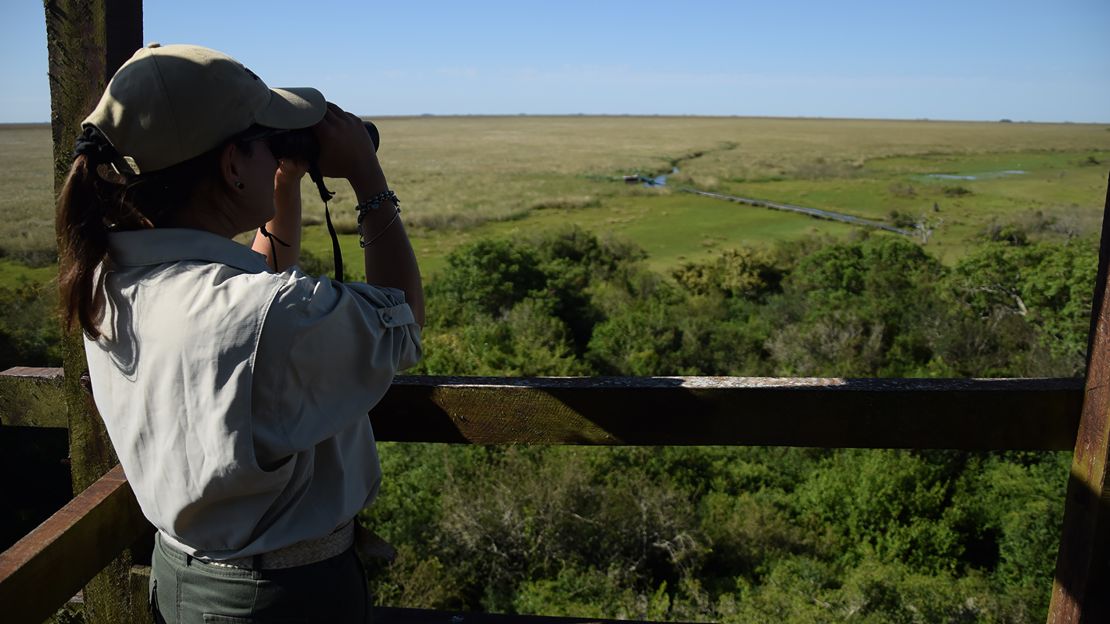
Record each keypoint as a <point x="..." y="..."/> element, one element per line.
<point x="57" y="559"/>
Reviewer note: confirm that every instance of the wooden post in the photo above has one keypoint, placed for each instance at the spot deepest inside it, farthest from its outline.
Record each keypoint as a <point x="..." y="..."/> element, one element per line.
<point x="1081" y="589"/>
<point x="87" y="41"/>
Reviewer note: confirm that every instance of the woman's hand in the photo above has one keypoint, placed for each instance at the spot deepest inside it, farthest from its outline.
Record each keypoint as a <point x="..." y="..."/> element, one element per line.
<point x="346" y="150"/>
<point x="287" y="178"/>
<point x="290" y="171"/>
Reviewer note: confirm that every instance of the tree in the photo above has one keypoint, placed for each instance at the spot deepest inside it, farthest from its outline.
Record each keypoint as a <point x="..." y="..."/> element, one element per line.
<point x="843" y="311"/>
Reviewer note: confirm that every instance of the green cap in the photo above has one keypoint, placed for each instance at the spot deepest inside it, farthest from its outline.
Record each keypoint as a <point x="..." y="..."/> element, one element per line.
<point x="170" y="103"/>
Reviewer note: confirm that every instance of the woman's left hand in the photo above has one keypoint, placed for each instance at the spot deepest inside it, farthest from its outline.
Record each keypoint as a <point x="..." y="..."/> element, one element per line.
<point x="290" y="171"/>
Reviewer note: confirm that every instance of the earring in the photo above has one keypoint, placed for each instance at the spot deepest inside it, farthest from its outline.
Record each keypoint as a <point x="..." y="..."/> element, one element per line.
<point x="238" y="185"/>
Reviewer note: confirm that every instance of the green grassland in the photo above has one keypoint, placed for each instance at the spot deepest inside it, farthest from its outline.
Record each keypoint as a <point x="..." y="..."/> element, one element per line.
<point x="26" y="196"/>
<point x="463" y="178"/>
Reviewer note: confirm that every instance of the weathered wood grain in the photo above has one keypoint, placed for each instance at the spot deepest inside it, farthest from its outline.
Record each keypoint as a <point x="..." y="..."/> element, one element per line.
<point x="1081" y="588"/>
<point x="54" y="561"/>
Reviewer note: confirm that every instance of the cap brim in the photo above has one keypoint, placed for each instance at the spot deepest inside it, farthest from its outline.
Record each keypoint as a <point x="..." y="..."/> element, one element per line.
<point x="293" y="108"/>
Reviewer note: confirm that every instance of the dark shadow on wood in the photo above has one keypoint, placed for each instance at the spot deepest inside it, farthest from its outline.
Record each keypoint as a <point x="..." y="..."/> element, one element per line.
<point x="36" y="459"/>
<point x="1081" y="587"/>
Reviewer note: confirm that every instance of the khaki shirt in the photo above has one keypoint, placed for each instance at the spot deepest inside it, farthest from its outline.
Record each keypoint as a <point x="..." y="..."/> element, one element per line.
<point x="237" y="398"/>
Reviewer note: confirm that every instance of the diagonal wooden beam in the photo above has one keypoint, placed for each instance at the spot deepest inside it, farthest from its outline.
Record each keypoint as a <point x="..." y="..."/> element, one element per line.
<point x="53" y="562"/>
<point x="1081" y="589"/>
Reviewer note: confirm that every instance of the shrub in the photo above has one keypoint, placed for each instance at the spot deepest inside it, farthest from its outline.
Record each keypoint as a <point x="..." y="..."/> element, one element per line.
<point x="1010" y="233"/>
<point x="744" y="273"/>
<point x="30" y="330"/>
<point x="902" y="220"/>
<point x="486" y="278"/>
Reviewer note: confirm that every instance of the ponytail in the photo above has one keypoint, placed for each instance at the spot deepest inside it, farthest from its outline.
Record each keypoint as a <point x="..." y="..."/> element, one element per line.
<point x="83" y="238"/>
<point x="89" y="206"/>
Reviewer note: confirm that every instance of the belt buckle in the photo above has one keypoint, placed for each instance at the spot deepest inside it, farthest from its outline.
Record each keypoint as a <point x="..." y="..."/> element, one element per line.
<point x="234" y="564"/>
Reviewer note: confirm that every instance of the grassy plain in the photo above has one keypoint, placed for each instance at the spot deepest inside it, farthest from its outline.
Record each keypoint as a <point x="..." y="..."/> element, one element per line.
<point x="26" y="196"/>
<point x="461" y="178"/>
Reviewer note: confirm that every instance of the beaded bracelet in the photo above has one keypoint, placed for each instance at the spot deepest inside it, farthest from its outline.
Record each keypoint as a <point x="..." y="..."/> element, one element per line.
<point x="372" y="204"/>
<point x="366" y="243"/>
<point x="375" y="202"/>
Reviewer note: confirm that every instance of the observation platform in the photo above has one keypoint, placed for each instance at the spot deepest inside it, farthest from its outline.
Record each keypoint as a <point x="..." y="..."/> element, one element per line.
<point x="100" y="541"/>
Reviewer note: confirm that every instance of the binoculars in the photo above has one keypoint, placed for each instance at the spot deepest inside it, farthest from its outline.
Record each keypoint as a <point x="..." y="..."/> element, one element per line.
<point x="301" y="144"/>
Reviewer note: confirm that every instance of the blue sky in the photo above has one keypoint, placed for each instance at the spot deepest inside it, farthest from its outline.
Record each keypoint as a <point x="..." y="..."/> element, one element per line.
<point x="975" y="59"/>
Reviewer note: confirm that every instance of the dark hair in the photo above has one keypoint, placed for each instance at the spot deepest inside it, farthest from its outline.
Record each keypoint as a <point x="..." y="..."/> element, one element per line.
<point x="95" y="200"/>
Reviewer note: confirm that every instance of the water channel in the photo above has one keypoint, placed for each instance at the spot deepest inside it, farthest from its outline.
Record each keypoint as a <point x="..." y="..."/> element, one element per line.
<point x="661" y="180"/>
<point x="989" y="175"/>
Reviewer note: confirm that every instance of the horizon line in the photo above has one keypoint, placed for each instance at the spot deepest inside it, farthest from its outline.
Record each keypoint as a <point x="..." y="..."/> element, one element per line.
<point x="687" y="115"/>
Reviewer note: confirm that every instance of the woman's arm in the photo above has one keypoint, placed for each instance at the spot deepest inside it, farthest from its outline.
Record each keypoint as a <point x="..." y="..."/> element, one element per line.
<point x="389" y="259"/>
<point x="347" y="152"/>
<point x="286" y="224"/>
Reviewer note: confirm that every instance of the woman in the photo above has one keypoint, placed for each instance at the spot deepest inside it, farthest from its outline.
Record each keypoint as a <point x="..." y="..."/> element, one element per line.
<point x="235" y="388"/>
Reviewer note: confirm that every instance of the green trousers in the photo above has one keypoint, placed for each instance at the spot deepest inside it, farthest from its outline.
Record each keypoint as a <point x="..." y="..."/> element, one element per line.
<point x="185" y="590"/>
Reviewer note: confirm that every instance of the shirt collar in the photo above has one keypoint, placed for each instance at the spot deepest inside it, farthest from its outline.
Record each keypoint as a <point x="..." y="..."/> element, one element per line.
<point x="162" y="245"/>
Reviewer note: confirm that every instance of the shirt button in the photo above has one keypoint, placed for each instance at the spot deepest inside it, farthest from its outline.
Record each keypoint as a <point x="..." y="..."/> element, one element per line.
<point x="387" y="318"/>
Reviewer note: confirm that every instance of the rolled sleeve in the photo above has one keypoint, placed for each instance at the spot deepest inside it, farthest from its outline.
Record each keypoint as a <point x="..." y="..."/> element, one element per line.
<point x="328" y="353"/>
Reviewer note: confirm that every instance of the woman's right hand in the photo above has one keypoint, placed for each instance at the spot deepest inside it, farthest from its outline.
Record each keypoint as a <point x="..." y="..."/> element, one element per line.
<point x="346" y="150"/>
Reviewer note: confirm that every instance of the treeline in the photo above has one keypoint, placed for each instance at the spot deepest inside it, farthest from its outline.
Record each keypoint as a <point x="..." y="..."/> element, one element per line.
<point x="738" y="534"/>
<point x="571" y="303"/>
